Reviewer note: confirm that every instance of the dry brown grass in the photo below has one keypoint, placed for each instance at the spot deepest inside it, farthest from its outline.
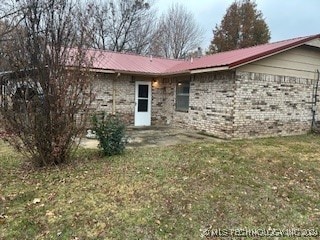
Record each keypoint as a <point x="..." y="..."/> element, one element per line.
<point x="165" y="193"/>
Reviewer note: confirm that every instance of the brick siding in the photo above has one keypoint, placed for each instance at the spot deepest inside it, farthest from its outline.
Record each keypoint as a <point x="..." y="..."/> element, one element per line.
<point x="228" y="104"/>
<point x="270" y="105"/>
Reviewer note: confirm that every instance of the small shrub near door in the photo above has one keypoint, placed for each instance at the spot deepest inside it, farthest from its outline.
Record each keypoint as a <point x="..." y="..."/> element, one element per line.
<point x="110" y="131"/>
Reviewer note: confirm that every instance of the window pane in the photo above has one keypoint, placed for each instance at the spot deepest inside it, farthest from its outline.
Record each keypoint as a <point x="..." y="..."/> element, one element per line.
<point x="182" y="103"/>
<point x="142" y="105"/>
<point x="183" y="88"/>
<point x="182" y="96"/>
<point x="143" y="91"/>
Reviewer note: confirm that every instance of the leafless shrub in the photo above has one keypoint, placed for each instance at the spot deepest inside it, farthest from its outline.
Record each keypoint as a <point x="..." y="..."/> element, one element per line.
<point x="47" y="84"/>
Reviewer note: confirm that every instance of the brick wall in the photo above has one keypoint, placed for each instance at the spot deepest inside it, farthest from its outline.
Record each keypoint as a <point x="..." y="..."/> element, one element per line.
<point x="124" y="95"/>
<point x="241" y="104"/>
<point x="225" y="104"/>
<point x="210" y="103"/>
<point x="162" y="102"/>
<point x="270" y="105"/>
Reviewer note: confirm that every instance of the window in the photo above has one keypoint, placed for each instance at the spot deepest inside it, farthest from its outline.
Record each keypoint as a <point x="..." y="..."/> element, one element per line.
<point x="143" y="94"/>
<point x="26" y="97"/>
<point x="182" y="96"/>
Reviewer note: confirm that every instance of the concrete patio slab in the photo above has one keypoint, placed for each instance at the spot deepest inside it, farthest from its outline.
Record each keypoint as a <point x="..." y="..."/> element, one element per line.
<point x="156" y="136"/>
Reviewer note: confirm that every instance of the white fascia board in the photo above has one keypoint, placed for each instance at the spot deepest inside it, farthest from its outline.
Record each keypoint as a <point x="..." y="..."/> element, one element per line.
<point x="205" y="70"/>
<point x="101" y="70"/>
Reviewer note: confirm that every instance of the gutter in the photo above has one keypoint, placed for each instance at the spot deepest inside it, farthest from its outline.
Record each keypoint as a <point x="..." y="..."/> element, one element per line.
<point x="114" y="93"/>
<point x="100" y="70"/>
<point x="168" y="74"/>
<point x="141" y="73"/>
<point x="214" y="69"/>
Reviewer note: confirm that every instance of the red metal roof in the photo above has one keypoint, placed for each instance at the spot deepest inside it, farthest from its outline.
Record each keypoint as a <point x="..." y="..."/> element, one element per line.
<point x="136" y="64"/>
<point x="131" y="63"/>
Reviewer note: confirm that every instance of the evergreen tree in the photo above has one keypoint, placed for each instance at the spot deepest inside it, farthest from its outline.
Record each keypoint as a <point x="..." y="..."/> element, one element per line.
<point x="242" y="26"/>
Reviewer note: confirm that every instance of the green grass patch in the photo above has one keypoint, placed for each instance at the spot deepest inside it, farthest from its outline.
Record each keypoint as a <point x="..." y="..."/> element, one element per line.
<point x="166" y="192"/>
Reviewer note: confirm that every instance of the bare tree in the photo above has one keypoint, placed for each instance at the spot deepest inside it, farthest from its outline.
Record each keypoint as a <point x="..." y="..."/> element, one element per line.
<point x="177" y="33"/>
<point x="10" y="17"/>
<point x="123" y="25"/>
<point x="48" y="85"/>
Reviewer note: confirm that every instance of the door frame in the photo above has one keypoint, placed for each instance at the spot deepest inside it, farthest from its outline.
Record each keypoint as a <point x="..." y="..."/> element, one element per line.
<point x="146" y="116"/>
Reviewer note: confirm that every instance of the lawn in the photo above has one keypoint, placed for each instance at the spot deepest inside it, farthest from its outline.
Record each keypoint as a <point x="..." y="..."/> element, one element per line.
<point x="178" y="192"/>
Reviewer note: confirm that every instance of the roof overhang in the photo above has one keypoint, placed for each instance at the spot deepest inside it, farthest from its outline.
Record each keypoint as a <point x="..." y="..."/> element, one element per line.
<point x="214" y="69"/>
<point x="101" y="70"/>
<point x="150" y="74"/>
<point x="272" y="52"/>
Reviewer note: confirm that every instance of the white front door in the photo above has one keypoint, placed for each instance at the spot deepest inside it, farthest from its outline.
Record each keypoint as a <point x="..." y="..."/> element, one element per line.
<point x="142" y="116"/>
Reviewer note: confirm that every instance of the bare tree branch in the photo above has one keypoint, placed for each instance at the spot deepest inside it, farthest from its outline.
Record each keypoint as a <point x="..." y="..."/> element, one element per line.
<point x="123" y="25"/>
<point x="41" y="97"/>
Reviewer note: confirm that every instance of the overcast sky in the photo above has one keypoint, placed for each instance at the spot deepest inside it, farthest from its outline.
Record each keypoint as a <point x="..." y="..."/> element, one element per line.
<point x="285" y="18"/>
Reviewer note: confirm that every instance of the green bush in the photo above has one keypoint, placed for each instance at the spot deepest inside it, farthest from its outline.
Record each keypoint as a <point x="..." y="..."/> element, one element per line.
<point x="110" y="131"/>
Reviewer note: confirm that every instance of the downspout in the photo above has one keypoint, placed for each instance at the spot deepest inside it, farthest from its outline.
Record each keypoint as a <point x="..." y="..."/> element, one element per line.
<point x="114" y="94"/>
<point x="314" y="103"/>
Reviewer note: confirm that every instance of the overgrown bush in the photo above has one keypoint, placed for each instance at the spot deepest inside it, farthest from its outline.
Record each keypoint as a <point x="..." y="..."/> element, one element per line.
<point x="110" y="131"/>
<point x="46" y="84"/>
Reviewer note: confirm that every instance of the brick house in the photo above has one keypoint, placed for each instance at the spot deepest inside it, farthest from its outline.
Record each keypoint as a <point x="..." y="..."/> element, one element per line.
<point x="266" y="90"/>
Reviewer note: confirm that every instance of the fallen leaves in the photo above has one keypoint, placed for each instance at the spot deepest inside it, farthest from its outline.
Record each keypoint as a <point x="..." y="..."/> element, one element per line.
<point x="2" y="198"/>
<point x="169" y="192"/>
<point x="50" y="214"/>
<point x="36" y="200"/>
<point x="3" y="218"/>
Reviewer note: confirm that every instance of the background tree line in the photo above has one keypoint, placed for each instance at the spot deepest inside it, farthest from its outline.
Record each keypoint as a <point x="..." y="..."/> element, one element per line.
<point x="134" y="26"/>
